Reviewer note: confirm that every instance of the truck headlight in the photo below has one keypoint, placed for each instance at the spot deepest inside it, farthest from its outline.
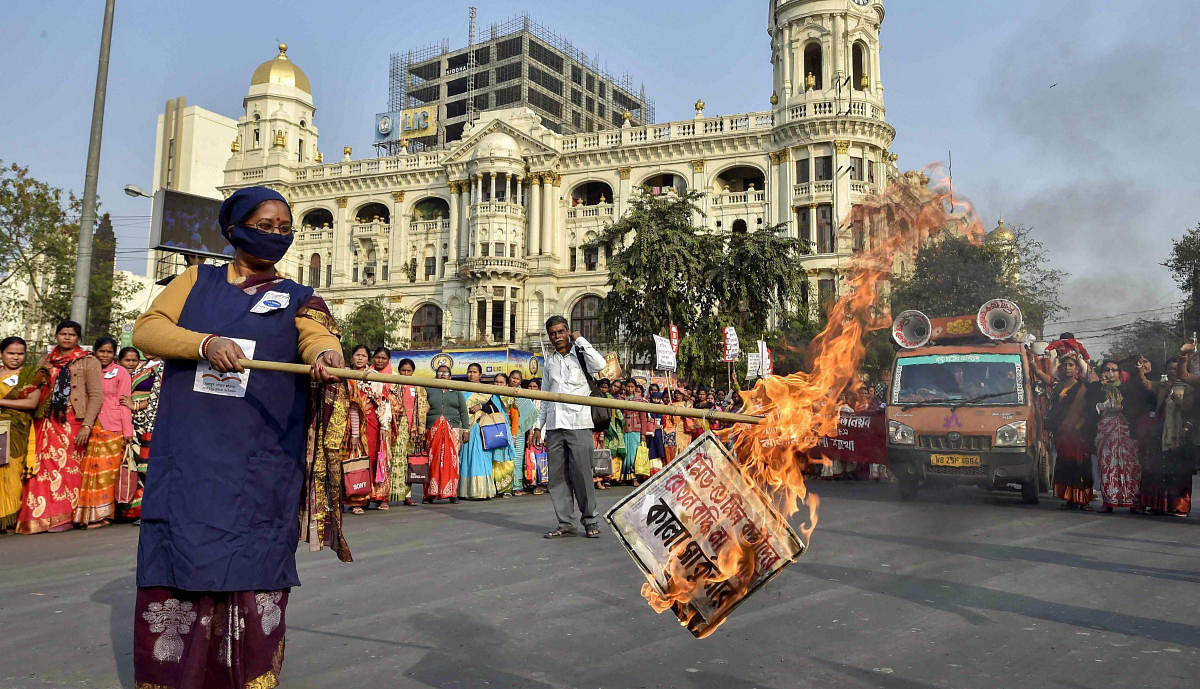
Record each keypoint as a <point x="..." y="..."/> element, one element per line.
<point x="900" y="434"/>
<point x="1011" y="435"/>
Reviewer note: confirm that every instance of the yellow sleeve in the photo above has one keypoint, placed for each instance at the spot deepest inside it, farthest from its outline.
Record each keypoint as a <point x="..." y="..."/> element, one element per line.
<point x="315" y="338"/>
<point x="157" y="330"/>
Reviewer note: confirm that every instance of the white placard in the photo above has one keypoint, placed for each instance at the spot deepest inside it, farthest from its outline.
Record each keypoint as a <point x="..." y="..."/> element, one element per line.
<point x="764" y="359"/>
<point x="733" y="348"/>
<point x="753" y="365"/>
<point x="696" y="510"/>
<point x="663" y="354"/>
<point x="212" y="382"/>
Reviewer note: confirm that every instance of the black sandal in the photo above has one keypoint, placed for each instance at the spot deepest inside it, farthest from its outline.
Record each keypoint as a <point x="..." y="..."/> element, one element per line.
<point x="592" y="532"/>
<point x="558" y="533"/>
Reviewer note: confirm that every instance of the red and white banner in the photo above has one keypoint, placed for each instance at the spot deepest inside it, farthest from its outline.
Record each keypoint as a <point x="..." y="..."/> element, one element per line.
<point x="674" y="338"/>
<point x="733" y="348"/>
<point x="860" y="438"/>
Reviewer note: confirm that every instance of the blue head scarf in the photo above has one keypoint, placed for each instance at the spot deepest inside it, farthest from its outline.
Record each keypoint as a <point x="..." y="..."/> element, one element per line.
<point x="242" y="203"/>
<point x="239" y="206"/>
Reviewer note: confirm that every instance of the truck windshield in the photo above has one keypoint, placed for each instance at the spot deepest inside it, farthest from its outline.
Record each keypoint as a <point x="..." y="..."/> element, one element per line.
<point x="959" y="380"/>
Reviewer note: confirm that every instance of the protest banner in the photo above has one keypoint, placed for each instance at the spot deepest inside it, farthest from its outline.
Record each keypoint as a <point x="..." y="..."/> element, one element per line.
<point x="699" y="508"/>
<point x="733" y="348"/>
<point x="860" y="438"/>
<point x="663" y="354"/>
<point x="674" y="339"/>
<point x="764" y="358"/>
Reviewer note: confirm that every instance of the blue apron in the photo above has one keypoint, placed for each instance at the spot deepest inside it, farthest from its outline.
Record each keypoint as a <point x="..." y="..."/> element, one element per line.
<point x="220" y="511"/>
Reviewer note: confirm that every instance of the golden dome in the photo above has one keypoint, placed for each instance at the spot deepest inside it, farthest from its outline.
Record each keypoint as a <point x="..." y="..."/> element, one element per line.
<point x="281" y="70"/>
<point x="1002" y="234"/>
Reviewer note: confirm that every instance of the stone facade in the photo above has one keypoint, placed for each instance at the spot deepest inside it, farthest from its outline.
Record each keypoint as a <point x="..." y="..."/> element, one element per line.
<point x="483" y="240"/>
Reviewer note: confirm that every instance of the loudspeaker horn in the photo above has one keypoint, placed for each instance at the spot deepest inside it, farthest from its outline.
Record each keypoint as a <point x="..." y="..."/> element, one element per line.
<point x="999" y="319"/>
<point x="911" y="329"/>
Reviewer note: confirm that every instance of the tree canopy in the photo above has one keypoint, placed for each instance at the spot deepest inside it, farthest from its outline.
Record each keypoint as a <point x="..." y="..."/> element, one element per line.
<point x="373" y="322"/>
<point x="1184" y="264"/>
<point x="665" y="269"/>
<point x="953" y="276"/>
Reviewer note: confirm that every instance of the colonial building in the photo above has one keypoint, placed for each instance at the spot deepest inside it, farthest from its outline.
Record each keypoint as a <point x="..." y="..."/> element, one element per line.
<point x="483" y="239"/>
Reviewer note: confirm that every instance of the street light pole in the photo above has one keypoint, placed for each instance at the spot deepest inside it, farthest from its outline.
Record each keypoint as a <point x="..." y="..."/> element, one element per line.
<point x="87" y="219"/>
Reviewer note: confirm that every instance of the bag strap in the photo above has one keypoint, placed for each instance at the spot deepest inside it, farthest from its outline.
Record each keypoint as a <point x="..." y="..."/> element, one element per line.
<point x="591" y="380"/>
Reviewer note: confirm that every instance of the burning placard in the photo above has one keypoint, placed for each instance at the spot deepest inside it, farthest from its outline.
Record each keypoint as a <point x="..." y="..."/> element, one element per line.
<point x="704" y="535"/>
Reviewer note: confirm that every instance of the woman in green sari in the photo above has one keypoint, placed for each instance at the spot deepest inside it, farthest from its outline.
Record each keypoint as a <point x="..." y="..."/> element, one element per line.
<point x="20" y="392"/>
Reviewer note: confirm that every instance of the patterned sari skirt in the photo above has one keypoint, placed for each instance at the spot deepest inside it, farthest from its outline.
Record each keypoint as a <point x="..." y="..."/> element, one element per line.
<point x="52" y="493"/>
<point x="98" y="476"/>
<point x="1120" y="472"/>
<point x="208" y="640"/>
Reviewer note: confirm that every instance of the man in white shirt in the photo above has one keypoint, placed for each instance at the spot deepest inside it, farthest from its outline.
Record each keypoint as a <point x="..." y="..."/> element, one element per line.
<point x="567" y="429"/>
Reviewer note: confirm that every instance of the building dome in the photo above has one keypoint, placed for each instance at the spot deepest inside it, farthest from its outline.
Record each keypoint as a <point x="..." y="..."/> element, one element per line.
<point x="1003" y="234"/>
<point x="497" y="145"/>
<point x="282" y="71"/>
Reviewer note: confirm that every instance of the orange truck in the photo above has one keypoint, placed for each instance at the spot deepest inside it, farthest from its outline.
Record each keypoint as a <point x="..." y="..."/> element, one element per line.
<point x="962" y="405"/>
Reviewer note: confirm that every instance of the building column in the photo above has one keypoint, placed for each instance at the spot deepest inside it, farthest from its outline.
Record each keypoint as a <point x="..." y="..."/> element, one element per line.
<point x="507" y="306"/>
<point x="520" y="190"/>
<point x="841" y="188"/>
<point x="487" y="317"/>
<point x="478" y="198"/>
<point x="547" y="228"/>
<point x="396" y="238"/>
<point x="455" y="194"/>
<point x="533" y="217"/>
<point x="341" y="243"/>
<point x="492" y="186"/>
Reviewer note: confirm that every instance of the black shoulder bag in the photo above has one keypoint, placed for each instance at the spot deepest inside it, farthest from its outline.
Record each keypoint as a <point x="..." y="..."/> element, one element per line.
<point x="601" y="416"/>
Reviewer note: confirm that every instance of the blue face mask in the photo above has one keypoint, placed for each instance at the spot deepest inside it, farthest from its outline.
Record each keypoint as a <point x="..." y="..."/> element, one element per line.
<point x="268" y="247"/>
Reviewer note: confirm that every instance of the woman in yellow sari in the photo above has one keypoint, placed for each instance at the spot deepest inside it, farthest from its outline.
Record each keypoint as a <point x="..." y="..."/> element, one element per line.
<point x="20" y="392"/>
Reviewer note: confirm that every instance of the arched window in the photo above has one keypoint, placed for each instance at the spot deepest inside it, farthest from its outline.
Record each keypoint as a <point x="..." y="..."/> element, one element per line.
<point x="317" y="217"/>
<point x="427" y="325"/>
<point x="812" y="65"/>
<point x="314" y="270"/>
<point x="859" y="53"/>
<point x="739" y="225"/>
<point x="585" y="317"/>
<point x="369" y="212"/>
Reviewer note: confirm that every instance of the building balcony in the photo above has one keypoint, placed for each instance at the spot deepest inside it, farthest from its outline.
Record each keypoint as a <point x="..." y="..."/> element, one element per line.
<point x="434" y="227"/>
<point x="498" y="208"/>
<point x="314" y="235"/>
<point x="582" y="214"/>
<point x="811" y="192"/>
<point x="739" y="198"/>
<point x="480" y="267"/>
<point x="370" y="229"/>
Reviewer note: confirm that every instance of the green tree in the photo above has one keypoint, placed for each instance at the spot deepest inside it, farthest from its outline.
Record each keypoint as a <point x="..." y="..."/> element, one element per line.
<point x="953" y="276"/>
<point x="37" y="249"/>
<point x="1157" y="340"/>
<point x="1184" y="264"/>
<point x="373" y="322"/>
<point x="666" y="269"/>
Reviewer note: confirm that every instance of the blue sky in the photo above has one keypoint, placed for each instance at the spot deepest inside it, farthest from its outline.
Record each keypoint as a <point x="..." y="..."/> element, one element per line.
<point x="1100" y="166"/>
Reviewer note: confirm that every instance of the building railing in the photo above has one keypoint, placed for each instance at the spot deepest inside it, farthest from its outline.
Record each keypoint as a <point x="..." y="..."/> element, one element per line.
<point x="429" y="226"/>
<point x="707" y="126"/>
<point x="498" y="208"/>
<point x="369" y="229"/>
<point x="493" y="264"/>
<point x="600" y="210"/>
<point x="730" y="198"/>
<point x="405" y="161"/>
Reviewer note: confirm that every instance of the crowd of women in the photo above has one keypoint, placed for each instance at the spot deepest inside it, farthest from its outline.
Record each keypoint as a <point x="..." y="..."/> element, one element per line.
<point x="78" y="425"/>
<point x="1120" y="433"/>
<point x="476" y="446"/>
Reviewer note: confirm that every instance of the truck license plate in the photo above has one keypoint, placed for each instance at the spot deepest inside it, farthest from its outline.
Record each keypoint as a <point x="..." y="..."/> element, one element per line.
<point x="955" y="460"/>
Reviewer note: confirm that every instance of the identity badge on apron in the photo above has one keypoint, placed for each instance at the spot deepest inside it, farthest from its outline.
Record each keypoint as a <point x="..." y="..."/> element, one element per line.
<point x="272" y="301"/>
<point x="110" y="374"/>
<point x="232" y="384"/>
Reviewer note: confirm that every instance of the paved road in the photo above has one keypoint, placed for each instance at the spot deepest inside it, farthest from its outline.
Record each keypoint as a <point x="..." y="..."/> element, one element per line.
<point x="962" y="589"/>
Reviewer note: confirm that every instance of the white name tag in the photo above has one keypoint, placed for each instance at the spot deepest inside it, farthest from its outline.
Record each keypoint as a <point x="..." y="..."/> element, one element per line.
<point x="111" y="374"/>
<point x="271" y="301"/>
<point x="233" y="384"/>
<point x="11" y="380"/>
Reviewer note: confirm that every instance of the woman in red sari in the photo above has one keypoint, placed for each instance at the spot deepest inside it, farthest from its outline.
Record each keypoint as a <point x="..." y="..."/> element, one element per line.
<point x="1072" y="439"/>
<point x="365" y="432"/>
<point x="106" y="445"/>
<point x="446" y="422"/>
<point x="70" y="403"/>
<point x="1117" y="453"/>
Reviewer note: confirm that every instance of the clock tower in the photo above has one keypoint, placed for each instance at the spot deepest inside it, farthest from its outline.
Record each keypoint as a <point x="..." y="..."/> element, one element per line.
<point x="276" y="128"/>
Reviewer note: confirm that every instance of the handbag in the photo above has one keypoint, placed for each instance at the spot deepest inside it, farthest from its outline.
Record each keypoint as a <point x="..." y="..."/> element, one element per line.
<point x="602" y="463"/>
<point x="655" y="466"/>
<point x="356" y="477"/>
<point x="641" y="464"/>
<point x="418" y="470"/>
<point x="530" y="468"/>
<point x="127" y="479"/>
<point x="543" y="466"/>
<point x="494" y="430"/>
<point x="601" y="416"/>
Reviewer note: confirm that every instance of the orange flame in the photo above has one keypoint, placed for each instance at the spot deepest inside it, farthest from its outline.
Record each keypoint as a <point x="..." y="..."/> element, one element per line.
<point x="802" y="407"/>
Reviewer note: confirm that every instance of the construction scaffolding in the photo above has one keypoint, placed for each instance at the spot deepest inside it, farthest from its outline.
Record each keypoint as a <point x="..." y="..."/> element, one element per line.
<point x="485" y="75"/>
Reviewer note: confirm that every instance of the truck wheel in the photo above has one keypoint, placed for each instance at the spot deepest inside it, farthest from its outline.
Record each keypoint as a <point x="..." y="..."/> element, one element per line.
<point x="1029" y="492"/>
<point x="908" y="485"/>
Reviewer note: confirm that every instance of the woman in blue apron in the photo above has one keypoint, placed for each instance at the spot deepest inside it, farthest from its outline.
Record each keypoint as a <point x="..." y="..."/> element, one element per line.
<point x="220" y="514"/>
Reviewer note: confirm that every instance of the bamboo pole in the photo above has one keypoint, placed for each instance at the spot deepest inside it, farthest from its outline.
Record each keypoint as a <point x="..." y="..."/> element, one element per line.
<point x="371" y="374"/>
